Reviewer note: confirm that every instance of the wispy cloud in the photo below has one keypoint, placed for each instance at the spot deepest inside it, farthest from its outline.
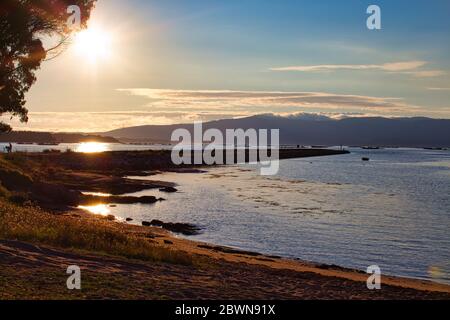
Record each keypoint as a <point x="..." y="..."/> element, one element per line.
<point x="167" y="106"/>
<point x="405" y="67"/>
<point x="105" y="121"/>
<point x="264" y="101"/>
<point x="425" y="73"/>
<point x="438" y="89"/>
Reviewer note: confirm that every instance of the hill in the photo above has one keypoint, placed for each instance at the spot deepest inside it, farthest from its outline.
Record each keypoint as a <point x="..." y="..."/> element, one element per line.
<point x="373" y="131"/>
<point x="48" y="137"/>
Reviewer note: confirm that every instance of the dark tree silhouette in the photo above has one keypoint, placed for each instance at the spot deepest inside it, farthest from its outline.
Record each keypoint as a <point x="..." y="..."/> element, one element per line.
<point x="23" y="26"/>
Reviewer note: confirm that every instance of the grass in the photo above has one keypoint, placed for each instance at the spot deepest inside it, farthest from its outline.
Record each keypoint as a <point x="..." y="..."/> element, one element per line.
<point x="19" y="220"/>
<point x="31" y="224"/>
<point x="12" y="175"/>
<point x="76" y="233"/>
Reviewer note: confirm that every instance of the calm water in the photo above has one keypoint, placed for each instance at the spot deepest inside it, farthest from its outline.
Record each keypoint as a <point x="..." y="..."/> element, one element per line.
<point x="83" y="147"/>
<point x="393" y="211"/>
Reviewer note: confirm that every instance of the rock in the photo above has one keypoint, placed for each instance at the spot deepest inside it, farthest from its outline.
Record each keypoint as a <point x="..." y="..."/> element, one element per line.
<point x="131" y="200"/>
<point x="183" y="228"/>
<point x="46" y="193"/>
<point x="157" y="223"/>
<point x="229" y="250"/>
<point x="148" y="199"/>
<point x="128" y="219"/>
<point x="168" y="242"/>
<point x="114" y="200"/>
<point x="168" y="189"/>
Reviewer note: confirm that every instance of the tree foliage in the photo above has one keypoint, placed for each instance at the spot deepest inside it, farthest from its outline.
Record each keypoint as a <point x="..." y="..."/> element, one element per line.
<point x="24" y="24"/>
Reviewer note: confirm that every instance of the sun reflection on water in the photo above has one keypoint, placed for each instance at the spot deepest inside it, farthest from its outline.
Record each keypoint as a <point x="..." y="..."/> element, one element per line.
<point x="101" y="209"/>
<point x="92" y="147"/>
<point x="98" y="194"/>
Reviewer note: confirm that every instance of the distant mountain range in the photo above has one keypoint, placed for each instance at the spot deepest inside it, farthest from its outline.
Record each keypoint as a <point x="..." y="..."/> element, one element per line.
<point x="48" y="137"/>
<point x="316" y="130"/>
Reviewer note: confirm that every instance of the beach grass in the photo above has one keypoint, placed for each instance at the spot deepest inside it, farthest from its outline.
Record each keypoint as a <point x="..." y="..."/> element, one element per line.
<point x="31" y="224"/>
<point x="22" y="220"/>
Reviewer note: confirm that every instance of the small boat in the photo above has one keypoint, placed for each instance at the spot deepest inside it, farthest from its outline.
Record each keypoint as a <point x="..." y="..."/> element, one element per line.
<point x="371" y="148"/>
<point x="435" y="148"/>
<point x="365" y="159"/>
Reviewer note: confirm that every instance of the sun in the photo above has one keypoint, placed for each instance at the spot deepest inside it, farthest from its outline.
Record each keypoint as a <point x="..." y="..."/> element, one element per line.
<point x="94" y="44"/>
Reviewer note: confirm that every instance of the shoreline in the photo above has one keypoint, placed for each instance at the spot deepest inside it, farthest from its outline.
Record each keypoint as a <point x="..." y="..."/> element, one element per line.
<point x="213" y="241"/>
<point x="230" y="273"/>
<point x="220" y="269"/>
<point x="238" y="255"/>
<point x="278" y="262"/>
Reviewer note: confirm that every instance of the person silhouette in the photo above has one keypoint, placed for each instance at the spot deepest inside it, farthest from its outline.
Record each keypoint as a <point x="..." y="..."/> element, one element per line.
<point x="9" y="148"/>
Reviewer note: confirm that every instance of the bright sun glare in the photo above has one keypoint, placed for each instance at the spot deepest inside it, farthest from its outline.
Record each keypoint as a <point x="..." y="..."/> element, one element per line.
<point x="92" y="147"/>
<point x="100" y="209"/>
<point x="93" y="44"/>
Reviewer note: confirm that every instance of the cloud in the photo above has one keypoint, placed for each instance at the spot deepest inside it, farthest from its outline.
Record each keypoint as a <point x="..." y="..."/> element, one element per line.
<point x="439" y="89"/>
<point x="405" y="67"/>
<point x="425" y="73"/>
<point x="167" y="106"/>
<point x="264" y="101"/>
<point x="105" y="121"/>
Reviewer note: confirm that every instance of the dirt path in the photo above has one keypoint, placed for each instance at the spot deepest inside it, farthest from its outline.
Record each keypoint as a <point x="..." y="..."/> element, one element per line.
<point x="38" y="272"/>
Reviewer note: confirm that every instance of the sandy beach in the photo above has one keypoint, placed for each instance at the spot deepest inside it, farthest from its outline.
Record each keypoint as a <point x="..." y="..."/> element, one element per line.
<point x="33" y="271"/>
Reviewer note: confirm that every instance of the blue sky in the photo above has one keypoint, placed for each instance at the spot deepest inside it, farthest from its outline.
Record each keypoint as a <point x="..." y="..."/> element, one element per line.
<point x="233" y="58"/>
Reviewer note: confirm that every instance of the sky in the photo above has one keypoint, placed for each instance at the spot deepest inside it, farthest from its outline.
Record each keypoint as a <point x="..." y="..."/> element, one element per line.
<point x="181" y="61"/>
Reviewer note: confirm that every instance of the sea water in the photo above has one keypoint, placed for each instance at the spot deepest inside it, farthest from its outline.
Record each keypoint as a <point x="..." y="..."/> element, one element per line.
<point x="393" y="211"/>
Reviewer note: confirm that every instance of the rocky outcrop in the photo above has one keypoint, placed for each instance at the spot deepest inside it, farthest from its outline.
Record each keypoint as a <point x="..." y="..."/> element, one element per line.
<point x="90" y="200"/>
<point x="183" y="228"/>
<point x="168" y="189"/>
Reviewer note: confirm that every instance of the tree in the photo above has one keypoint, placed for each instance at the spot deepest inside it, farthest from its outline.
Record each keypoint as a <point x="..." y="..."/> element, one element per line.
<point x="23" y="26"/>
